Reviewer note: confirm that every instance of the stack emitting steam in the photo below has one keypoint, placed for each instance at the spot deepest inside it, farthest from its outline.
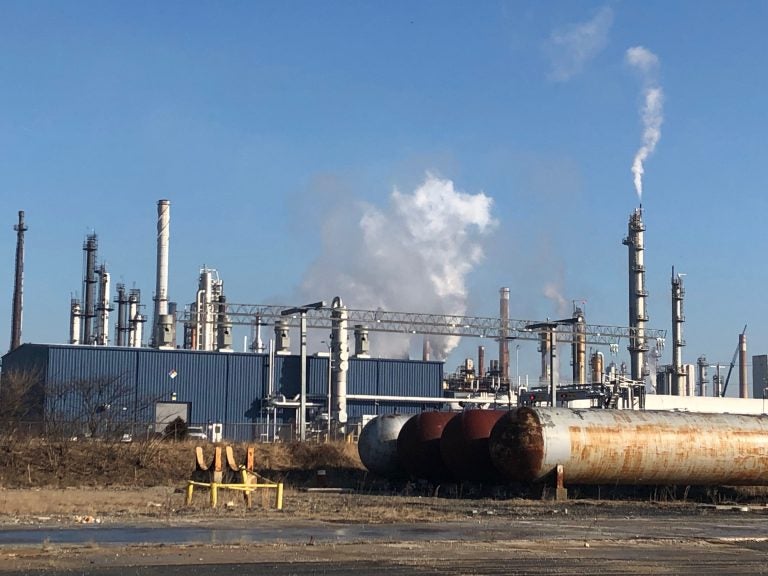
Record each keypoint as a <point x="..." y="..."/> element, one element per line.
<point x="647" y="63"/>
<point x="413" y="255"/>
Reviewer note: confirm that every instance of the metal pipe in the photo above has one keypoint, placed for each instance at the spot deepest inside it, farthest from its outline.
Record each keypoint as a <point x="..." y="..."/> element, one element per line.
<point x="18" y="285"/>
<point x="631" y="447"/>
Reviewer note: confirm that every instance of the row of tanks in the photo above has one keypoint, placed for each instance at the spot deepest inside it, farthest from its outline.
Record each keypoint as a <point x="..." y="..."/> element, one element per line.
<point x="593" y="446"/>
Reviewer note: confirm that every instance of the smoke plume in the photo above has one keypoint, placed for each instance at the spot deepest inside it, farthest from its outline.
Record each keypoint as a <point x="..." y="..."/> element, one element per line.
<point x="647" y="63"/>
<point x="413" y="255"/>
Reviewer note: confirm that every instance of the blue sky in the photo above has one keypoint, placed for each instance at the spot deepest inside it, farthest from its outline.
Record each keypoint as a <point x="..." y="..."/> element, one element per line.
<point x="274" y="128"/>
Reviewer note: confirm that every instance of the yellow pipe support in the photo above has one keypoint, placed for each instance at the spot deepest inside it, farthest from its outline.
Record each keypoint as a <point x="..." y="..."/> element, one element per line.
<point x="279" y="496"/>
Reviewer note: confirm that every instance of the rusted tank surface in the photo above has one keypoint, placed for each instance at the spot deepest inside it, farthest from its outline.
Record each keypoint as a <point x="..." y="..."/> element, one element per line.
<point x="631" y="447"/>
<point x="418" y="446"/>
<point x="464" y="445"/>
<point x="377" y="445"/>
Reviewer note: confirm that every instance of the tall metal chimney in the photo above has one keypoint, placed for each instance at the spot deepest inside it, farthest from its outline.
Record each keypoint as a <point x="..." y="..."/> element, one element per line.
<point x="637" y="295"/>
<point x="480" y="361"/>
<point x="161" y="289"/>
<point x="743" y="387"/>
<point x="678" y="370"/>
<point x="18" y="286"/>
<point x="504" y="334"/>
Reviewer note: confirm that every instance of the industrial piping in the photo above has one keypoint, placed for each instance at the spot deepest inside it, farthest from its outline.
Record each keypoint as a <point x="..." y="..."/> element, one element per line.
<point x="631" y="447"/>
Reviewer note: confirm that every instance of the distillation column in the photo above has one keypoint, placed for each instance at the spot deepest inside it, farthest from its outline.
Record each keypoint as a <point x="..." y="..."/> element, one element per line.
<point x="637" y="295"/>
<point x="579" y="347"/>
<point x="89" y="288"/>
<point x="340" y="360"/>
<point x="678" y="370"/>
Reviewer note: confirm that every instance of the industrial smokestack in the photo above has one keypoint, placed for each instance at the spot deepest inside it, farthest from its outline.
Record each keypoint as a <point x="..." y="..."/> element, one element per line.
<point x="480" y="361"/>
<point x="159" y="332"/>
<point x="637" y="295"/>
<point x="678" y="370"/>
<point x="504" y="334"/>
<point x="743" y="389"/>
<point x="18" y="286"/>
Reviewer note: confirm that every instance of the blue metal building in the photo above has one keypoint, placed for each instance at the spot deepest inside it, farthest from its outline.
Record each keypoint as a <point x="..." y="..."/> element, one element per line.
<point x="228" y="388"/>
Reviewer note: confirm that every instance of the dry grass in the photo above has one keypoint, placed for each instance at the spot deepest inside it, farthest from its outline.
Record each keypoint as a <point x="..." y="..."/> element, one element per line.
<point x="45" y="463"/>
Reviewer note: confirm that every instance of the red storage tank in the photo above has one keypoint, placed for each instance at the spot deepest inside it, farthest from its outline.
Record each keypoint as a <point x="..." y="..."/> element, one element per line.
<point x="464" y="445"/>
<point x="418" y="446"/>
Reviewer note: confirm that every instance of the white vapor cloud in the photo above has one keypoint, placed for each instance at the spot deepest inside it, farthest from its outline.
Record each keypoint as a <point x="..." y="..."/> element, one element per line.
<point x="572" y="47"/>
<point x="652" y="114"/>
<point x="414" y="255"/>
<point x="553" y="291"/>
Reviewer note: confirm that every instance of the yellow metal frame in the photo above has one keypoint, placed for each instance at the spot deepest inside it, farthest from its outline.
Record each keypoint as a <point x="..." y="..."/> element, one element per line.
<point x="249" y="484"/>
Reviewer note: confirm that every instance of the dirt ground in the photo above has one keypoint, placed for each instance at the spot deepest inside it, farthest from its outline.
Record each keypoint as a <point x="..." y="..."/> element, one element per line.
<point x="104" y="510"/>
<point x="394" y="534"/>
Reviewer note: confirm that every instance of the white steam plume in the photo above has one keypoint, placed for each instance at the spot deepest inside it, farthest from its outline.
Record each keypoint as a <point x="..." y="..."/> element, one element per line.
<point x="647" y="63"/>
<point x="412" y="256"/>
<point x="552" y="291"/>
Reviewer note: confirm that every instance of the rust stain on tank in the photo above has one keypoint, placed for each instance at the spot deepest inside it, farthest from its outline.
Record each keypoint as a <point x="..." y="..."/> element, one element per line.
<point x="516" y="445"/>
<point x="667" y="449"/>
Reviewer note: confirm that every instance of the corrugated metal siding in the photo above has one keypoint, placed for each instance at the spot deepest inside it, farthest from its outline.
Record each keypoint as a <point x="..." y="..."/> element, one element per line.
<point x="246" y="387"/>
<point x="287" y="375"/>
<point x="79" y="377"/>
<point x="28" y="361"/>
<point x="363" y="376"/>
<point x="200" y="378"/>
<point x="225" y="388"/>
<point x="317" y="376"/>
<point x="410" y="378"/>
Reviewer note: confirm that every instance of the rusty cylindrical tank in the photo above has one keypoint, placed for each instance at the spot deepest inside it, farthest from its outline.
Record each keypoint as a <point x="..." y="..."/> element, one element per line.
<point x="631" y="447"/>
<point x="418" y="446"/>
<point x="464" y="445"/>
<point x="377" y="445"/>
